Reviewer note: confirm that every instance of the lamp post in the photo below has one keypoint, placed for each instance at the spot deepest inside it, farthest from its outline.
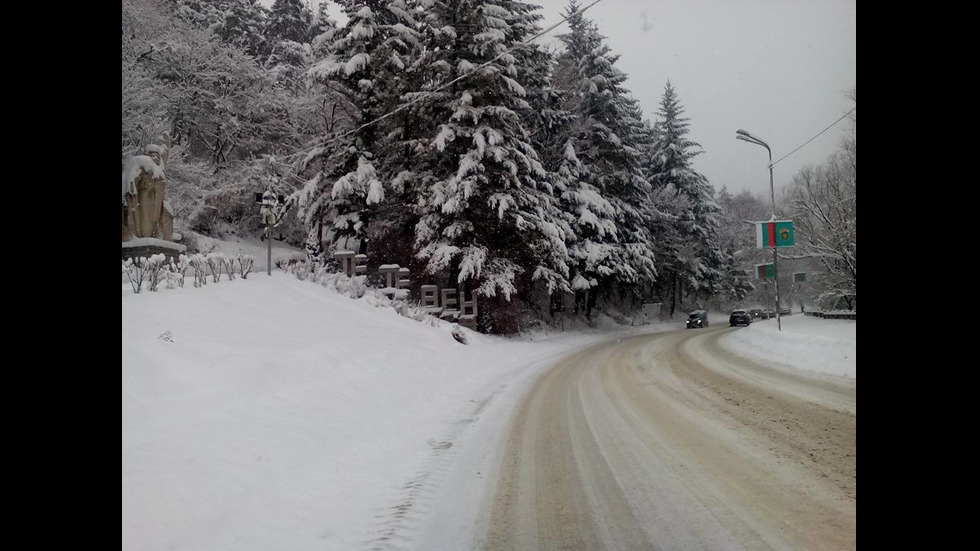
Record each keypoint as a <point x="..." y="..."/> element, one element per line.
<point x="269" y="219"/>
<point x="746" y="137"/>
<point x="272" y="212"/>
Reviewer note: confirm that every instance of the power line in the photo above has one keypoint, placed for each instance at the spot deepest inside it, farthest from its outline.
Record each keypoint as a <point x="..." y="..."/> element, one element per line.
<point x="457" y="79"/>
<point x="815" y="137"/>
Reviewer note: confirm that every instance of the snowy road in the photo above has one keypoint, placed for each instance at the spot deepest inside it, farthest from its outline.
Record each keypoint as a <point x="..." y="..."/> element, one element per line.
<point x="670" y="441"/>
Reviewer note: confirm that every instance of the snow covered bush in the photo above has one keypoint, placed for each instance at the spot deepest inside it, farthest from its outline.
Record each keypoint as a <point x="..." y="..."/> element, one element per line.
<point x="354" y="287"/>
<point x="171" y="276"/>
<point x="155" y="268"/>
<point x="135" y="270"/>
<point x="180" y="268"/>
<point x="229" y="265"/>
<point x="287" y="264"/>
<point x="215" y="262"/>
<point x="245" y="263"/>
<point x="406" y="308"/>
<point x="302" y="270"/>
<point x="200" y="265"/>
<point x="158" y="268"/>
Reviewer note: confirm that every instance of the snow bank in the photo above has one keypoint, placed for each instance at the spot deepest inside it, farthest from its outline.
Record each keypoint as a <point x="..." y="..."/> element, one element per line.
<point x="271" y="413"/>
<point x="808" y="343"/>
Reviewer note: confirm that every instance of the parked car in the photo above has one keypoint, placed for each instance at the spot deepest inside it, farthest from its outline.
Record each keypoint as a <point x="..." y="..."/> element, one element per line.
<point x="739" y="317"/>
<point x="698" y="318"/>
<point x="784" y="311"/>
<point x="756" y="313"/>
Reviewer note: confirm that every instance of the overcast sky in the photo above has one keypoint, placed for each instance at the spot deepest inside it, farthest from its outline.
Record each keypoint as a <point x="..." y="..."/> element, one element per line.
<point x="779" y="69"/>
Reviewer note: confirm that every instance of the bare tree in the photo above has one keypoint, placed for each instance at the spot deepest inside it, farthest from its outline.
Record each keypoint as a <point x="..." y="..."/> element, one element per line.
<point x="825" y="200"/>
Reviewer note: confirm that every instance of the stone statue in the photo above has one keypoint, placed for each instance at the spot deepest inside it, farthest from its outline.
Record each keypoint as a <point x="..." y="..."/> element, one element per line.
<point x="145" y="212"/>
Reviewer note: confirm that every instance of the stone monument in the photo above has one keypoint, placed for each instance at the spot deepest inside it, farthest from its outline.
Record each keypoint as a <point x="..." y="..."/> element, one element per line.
<point x="147" y="219"/>
<point x="144" y="189"/>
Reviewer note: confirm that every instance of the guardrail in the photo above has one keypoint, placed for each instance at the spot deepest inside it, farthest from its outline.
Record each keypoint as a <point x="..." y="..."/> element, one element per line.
<point x="834" y="315"/>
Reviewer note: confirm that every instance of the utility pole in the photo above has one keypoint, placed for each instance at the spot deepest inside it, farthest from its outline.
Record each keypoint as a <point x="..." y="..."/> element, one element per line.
<point x="746" y="137"/>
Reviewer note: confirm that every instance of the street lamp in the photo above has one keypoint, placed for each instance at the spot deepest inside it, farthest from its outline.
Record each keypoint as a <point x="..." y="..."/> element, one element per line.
<point x="746" y="137"/>
<point x="272" y="212"/>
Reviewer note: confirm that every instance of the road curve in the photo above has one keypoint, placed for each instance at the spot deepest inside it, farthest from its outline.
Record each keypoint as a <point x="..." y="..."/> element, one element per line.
<point x="669" y="441"/>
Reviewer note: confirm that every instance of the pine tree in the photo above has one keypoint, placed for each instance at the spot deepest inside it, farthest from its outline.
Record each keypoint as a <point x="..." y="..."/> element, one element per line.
<point x="289" y="20"/>
<point x="363" y="62"/>
<point x="241" y="23"/>
<point x="322" y="25"/>
<point x="488" y="216"/>
<point x="287" y="33"/>
<point x="700" y="262"/>
<point x="605" y="136"/>
<point x="736" y="240"/>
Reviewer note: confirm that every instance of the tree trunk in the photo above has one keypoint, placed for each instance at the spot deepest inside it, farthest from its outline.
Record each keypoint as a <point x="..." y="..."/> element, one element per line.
<point x="590" y="304"/>
<point x="673" y="294"/>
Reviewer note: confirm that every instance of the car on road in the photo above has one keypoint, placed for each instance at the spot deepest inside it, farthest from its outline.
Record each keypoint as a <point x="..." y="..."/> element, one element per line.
<point x="698" y="318"/>
<point x="740" y="317"/>
<point x="784" y="311"/>
<point x="757" y="314"/>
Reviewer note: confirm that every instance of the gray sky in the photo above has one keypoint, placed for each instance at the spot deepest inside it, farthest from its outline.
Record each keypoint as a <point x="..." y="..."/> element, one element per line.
<point x="779" y="69"/>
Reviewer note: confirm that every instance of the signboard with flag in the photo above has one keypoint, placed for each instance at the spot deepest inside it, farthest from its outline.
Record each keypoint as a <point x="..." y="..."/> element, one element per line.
<point x="765" y="271"/>
<point x="777" y="233"/>
<point x="799" y="277"/>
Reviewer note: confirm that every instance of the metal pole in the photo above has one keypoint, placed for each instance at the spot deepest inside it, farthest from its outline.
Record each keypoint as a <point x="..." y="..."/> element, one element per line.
<point x="746" y="137"/>
<point x="768" y="298"/>
<point x="775" y="255"/>
<point x="775" y="278"/>
<point x="268" y="239"/>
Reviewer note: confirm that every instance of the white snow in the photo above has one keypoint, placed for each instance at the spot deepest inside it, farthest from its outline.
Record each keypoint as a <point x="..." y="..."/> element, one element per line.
<point x="357" y="63"/>
<point x="273" y="413"/>
<point x="361" y="31"/>
<point x="580" y="283"/>
<point x="569" y="152"/>
<point x="254" y="247"/>
<point x="446" y="134"/>
<point x="465" y="67"/>
<point x="376" y="192"/>
<point x="156" y="148"/>
<point x="514" y="86"/>
<point x="134" y="166"/>
<point x="809" y="343"/>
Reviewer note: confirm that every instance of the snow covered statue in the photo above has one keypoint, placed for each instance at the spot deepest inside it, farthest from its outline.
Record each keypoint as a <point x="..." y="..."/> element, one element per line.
<point x="144" y="184"/>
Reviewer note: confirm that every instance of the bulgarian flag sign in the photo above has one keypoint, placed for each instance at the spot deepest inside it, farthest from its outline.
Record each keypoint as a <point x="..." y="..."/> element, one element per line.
<point x="765" y="271"/>
<point x="778" y="233"/>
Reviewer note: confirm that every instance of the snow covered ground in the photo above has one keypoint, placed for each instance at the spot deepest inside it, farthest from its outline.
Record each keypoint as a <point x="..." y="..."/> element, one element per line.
<point x="825" y="346"/>
<point x="272" y="413"/>
<point x="231" y="246"/>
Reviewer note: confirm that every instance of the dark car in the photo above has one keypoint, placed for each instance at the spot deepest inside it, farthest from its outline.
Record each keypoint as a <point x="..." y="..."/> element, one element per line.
<point x="740" y="317"/>
<point x="698" y="318"/>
